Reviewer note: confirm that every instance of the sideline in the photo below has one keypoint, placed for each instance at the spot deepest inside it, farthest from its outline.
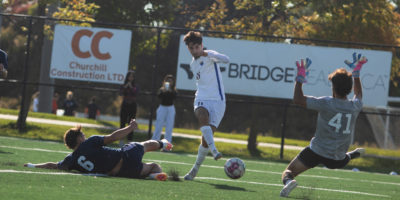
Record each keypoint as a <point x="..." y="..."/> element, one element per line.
<point x="55" y="122"/>
<point x="216" y="139"/>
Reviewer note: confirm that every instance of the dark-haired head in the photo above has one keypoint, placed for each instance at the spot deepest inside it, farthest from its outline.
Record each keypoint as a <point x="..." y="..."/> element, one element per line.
<point x="193" y="37"/>
<point x="73" y="137"/>
<point x="171" y="79"/>
<point x="130" y="77"/>
<point x="342" y="82"/>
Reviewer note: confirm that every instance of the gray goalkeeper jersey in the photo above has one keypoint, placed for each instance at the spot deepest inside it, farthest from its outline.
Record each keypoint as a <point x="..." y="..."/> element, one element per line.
<point x="335" y="125"/>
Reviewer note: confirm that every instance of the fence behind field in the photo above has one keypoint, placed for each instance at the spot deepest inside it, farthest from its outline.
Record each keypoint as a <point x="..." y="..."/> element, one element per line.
<point x="28" y="47"/>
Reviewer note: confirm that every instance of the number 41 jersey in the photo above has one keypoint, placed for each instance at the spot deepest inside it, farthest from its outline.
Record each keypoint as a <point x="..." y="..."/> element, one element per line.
<point x="335" y="125"/>
<point x="92" y="157"/>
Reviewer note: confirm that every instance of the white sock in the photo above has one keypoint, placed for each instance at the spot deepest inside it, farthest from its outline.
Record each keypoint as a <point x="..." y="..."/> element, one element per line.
<point x="201" y="155"/>
<point x="209" y="137"/>
<point x="152" y="175"/>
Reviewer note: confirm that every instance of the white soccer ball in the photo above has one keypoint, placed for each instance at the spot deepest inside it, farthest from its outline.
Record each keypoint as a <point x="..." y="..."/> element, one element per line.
<point x="234" y="168"/>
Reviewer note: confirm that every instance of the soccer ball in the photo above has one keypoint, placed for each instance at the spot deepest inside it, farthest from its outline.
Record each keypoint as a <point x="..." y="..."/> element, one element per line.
<point x="234" y="168"/>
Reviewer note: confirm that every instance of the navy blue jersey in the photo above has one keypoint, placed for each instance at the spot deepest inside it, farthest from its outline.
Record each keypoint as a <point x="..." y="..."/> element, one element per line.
<point x="92" y="157"/>
<point x="3" y="59"/>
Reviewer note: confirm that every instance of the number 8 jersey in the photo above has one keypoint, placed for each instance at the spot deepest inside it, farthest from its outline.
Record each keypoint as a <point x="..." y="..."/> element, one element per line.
<point x="335" y="125"/>
<point x="92" y="157"/>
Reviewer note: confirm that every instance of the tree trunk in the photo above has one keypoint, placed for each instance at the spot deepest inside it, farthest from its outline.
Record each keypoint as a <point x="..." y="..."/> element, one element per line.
<point x="33" y="66"/>
<point x="252" y="139"/>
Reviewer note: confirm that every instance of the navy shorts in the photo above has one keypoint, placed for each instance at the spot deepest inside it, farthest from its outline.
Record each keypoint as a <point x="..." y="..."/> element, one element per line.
<point x="132" y="165"/>
<point x="310" y="159"/>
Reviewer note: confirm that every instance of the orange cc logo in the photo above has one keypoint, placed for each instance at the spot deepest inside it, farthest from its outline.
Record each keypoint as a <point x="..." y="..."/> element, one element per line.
<point x="94" y="47"/>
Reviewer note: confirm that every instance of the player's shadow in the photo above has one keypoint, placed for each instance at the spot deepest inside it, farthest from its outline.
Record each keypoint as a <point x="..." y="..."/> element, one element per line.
<point x="5" y="152"/>
<point x="8" y="164"/>
<point x="227" y="187"/>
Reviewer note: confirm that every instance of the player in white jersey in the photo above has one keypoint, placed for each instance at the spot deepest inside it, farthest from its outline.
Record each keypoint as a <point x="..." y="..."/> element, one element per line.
<point x="209" y="103"/>
<point x="335" y="124"/>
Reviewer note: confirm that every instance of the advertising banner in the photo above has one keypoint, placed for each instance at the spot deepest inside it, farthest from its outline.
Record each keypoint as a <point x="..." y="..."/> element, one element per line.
<point x="90" y="54"/>
<point x="268" y="69"/>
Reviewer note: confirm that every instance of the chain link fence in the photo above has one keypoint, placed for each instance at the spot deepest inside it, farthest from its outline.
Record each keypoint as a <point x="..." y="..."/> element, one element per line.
<point x="154" y="53"/>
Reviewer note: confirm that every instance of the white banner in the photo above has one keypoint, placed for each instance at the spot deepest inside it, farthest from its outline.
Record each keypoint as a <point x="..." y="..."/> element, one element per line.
<point x="90" y="54"/>
<point x="268" y="69"/>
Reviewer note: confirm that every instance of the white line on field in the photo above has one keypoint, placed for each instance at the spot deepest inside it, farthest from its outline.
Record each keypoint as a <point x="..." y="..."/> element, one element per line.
<point x="48" y="173"/>
<point x="279" y="185"/>
<point x="35" y="149"/>
<point x="205" y="178"/>
<point x="284" y="165"/>
<point x="217" y="167"/>
<point x="280" y="173"/>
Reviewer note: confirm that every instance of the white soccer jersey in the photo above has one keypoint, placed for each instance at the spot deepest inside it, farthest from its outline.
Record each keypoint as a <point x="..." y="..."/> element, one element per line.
<point x="208" y="76"/>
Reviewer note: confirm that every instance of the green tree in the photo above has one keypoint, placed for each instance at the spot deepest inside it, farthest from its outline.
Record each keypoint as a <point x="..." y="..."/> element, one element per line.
<point x="352" y="21"/>
<point x="359" y="21"/>
<point x="262" y="17"/>
<point x="150" y="13"/>
<point x="76" y="9"/>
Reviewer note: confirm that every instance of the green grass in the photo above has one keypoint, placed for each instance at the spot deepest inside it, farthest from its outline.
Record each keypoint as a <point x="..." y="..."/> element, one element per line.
<point x="55" y="133"/>
<point x="261" y="180"/>
<point x="238" y="136"/>
<point x="267" y="139"/>
<point x="184" y="145"/>
<point x="64" y="118"/>
<point x="144" y="127"/>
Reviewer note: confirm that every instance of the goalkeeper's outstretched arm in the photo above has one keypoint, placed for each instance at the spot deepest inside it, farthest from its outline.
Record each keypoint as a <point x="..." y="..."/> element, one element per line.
<point x="357" y="88"/>
<point x="48" y="165"/>
<point x="298" y="96"/>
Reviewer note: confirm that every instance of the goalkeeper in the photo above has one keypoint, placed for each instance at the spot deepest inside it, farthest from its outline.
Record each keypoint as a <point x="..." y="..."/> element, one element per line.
<point x="335" y="124"/>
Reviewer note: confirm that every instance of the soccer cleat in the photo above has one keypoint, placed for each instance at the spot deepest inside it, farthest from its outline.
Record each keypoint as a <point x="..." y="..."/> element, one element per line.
<point x="356" y="153"/>
<point x="290" y="185"/>
<point x="161" y="176"/>
<point x="360" y="150"/>
<point x="217" y="156"/>
<point x="167" y="146"/>
<point x="190" y="176"/>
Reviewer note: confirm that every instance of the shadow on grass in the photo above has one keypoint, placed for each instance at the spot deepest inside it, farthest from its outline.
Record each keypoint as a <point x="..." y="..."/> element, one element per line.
<point x="5" y="152"/>
<point x="106" y="123"/>
<point x="226" y="187"/>
<point x="8" y="164"/>
<point x="13" y="125"/>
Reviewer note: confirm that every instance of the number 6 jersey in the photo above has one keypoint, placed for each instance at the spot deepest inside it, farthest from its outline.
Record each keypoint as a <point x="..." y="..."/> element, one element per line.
<point x="92" y="157"/>
<point x="335" y="125"/>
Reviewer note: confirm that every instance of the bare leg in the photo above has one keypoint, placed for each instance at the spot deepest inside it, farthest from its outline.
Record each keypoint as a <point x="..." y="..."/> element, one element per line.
<point x="202" y="116"/>
<point x="294" y="168"/>
<point x="153" y="171"/>
<point x="149" y="168"/>
<point x="150" y="145"/>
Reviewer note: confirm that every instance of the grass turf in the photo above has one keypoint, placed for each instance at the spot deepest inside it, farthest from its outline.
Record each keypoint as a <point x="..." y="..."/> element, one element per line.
<point x="184" y="145"/>
<point x="261" y="180"/>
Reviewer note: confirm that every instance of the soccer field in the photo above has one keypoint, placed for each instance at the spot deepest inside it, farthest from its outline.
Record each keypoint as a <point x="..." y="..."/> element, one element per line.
<point x="261" y="180"/>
